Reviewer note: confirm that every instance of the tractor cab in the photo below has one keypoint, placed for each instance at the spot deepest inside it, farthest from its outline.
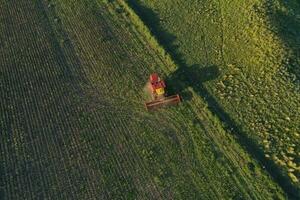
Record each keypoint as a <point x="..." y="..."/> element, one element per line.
<point x="157" y="86"/>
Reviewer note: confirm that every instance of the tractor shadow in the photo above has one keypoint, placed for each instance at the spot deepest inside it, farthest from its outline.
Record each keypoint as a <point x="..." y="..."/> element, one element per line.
<point x="191" y="76"/>
<point x="195" y="76"/>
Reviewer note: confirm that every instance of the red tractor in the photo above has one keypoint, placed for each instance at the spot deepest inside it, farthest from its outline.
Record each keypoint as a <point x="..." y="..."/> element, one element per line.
<point x="157" y="88"/>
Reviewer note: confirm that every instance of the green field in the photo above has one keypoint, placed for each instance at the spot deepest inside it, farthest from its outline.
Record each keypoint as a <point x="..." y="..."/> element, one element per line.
<point x="73" y="124"/>
<point x="255" y="47"/>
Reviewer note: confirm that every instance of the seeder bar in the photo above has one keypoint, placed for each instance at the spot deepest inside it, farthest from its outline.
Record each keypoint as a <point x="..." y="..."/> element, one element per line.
<point x="171" y="100"/>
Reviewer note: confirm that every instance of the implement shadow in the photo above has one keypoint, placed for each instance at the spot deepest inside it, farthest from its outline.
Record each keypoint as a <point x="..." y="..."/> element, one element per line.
<point x="194" y="76"/>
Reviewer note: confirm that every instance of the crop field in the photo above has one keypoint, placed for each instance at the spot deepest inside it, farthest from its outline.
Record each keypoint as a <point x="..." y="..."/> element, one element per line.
<point x="72" y="119"/>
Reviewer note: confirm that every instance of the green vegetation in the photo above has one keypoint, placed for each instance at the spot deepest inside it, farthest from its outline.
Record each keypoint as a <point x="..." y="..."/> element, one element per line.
<point x="255" y="46"/>
<point x="73" y="124"/>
